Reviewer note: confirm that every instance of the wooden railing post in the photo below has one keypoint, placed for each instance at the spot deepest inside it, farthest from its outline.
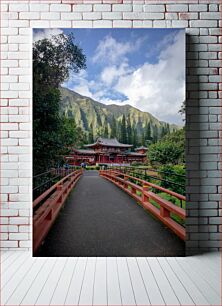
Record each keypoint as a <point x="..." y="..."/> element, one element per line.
<point x="59" y="188"/>
<point x="125" y="181"/>
<point x="164" y="212"/>
<point x="144" y="196"/>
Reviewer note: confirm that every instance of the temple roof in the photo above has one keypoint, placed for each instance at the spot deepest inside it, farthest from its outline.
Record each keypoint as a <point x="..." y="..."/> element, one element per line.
<point x="81" y="151"/>
<point x="135" y="154"/>
<point x="141" y="148"/>
<point x="108" y="142"/>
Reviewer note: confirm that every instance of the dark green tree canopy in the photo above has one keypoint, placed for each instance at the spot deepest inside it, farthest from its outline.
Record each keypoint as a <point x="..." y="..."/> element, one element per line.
<point x="53" y="133"/>
<point x="54" y="58"/>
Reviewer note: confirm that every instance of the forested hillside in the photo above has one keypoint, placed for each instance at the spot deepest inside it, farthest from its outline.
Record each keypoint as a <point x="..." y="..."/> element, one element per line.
<point x="125" y="122"/>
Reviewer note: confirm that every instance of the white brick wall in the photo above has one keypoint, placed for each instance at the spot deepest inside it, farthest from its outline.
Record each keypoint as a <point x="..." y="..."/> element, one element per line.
<point x="201" y="19"/>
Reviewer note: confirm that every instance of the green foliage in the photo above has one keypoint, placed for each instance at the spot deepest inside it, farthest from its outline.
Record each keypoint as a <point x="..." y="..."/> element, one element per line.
<point x="85" y="109"/>
<point x="113" y="128"/>
<point x="135" y="137"/>
<point x="123" y="135"/>
<point x="148" y="137"/>
<point x="52" y="133"/>
<point x="129" y="130"/>
<point x="168" y="150"/>
<point x="155" y="134"/>
<point x="174" y="174"/>
<point x="54" y="58"/>
<point x="136" y="164"/>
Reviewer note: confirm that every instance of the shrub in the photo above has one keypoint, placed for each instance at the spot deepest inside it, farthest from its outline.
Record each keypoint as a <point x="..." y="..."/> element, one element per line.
<point x="174" y="174"/>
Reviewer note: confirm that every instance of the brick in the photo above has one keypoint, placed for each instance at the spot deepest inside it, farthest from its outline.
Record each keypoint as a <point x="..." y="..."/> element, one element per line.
<point x="137" y="7"/>
<point x="199" y="236"/>
<point x="24" y="229"/>
<point x="102" y="7"/>
<point x="82" y="8"/>
<point x="29" y="15"/>
<point x="102" y="24"/>
<point x="39" y="24"/>
<point x="122" y="23"/>
<point x="207" y="15"/>
<point x="112" y="15"/>
<point x="19" y="7"/>
<point x="177" y="8"/>
<point x="208" y="39"/>
<point x="24" y="212"/>
<point x="121" y="7"/>
<point x="39" y="7"/>
<point x="52" y="15"/>
<point x="82" y="24"/>
<point x="135" y="15"/>
<point x="216" y="31"/>
<point x="19" y="23"/>
<point x="60" y="8"/>
<point x="204" y="31"/>
<point x="9" y="244"/>
<point x="58" y="23"/>
<point x="216" y="236"/>
<point x="9" y="126"/>
<point x="187" y="16"/>
<point x="154" y="8"/>
<point x="197" y="7"/>
<point x="171" y="16"/>
<point x="147" y="23"/>
<point x="203" y="23"/>
<point x="93" y="15"/>
<point x="162" y="23"/>
<point x="215" y="63"/>
<point x="18" y="236"/>
<point x="19" y="134"/>
<point x="180" y="23"/>
<point x="18" y="220"/>
<point x="25" y="244"/>
<point x="213" y="7"/>
<point x="71" y="16"/>
<point x="9" y="212"/>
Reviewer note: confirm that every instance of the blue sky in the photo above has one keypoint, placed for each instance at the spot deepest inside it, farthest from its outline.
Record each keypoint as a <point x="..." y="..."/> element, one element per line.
<point x="141" y="67"/>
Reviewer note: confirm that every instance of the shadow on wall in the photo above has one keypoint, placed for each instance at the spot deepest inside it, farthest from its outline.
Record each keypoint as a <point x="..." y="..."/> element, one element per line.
<point x="193" y="175"/>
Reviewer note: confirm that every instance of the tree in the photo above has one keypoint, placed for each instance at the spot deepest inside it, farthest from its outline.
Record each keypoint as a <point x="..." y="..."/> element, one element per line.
<point x="129" y="130"/>
<point x="155" y="134"/>
<point x="90" y="135"/>
<point x="168" y="150"/>
<point x="113" y="127"/>
<point x="123" y="138"/>
<point x="143" y="142"/>
<point x="148" y="137"/>
<point x="53" y="59"/>
<point x="106" y="131"/>
<point x="135" y="137"/>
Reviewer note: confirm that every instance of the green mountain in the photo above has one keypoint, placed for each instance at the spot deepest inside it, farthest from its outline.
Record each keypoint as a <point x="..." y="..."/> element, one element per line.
<point x="97" y="118"/>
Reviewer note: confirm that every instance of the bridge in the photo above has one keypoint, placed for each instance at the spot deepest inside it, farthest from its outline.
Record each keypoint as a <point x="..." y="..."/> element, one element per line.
<point x="107" y="213"/>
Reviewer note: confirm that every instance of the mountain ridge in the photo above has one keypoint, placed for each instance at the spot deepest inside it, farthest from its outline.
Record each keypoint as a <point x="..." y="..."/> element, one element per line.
<point x="94" y="116"/>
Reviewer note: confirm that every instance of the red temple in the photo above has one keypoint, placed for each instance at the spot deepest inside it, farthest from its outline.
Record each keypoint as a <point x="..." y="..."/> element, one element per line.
<point x="106" y="151"/>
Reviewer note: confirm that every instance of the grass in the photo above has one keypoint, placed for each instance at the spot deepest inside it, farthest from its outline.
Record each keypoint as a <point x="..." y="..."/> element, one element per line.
<point x="169" y="198"/>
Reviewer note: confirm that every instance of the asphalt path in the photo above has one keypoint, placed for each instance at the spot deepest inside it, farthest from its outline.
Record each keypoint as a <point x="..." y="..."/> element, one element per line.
<point x="99" y="219"/>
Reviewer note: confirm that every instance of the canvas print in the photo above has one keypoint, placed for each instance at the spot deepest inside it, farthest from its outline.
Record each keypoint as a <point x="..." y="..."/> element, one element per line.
<point x="109" y="142"/>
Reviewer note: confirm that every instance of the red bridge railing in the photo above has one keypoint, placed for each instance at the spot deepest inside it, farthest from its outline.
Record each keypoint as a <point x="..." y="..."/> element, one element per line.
<point x="143" y="194"/>
<point x="47" y="206"/>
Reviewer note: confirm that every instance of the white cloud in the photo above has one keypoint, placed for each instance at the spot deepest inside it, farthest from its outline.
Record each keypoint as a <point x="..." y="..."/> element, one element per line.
<point x="46" y="33"/>
<point x="114" y="51"/>
<point x="110" y="74"/>
<point x="159" y="88"/>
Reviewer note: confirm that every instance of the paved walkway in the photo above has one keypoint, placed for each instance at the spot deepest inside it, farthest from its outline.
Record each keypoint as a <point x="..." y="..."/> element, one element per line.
<point x="99" y="219"/>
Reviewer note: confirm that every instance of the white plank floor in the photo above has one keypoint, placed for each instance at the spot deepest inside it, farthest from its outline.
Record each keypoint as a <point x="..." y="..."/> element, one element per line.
<point x="110" y="281"/>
